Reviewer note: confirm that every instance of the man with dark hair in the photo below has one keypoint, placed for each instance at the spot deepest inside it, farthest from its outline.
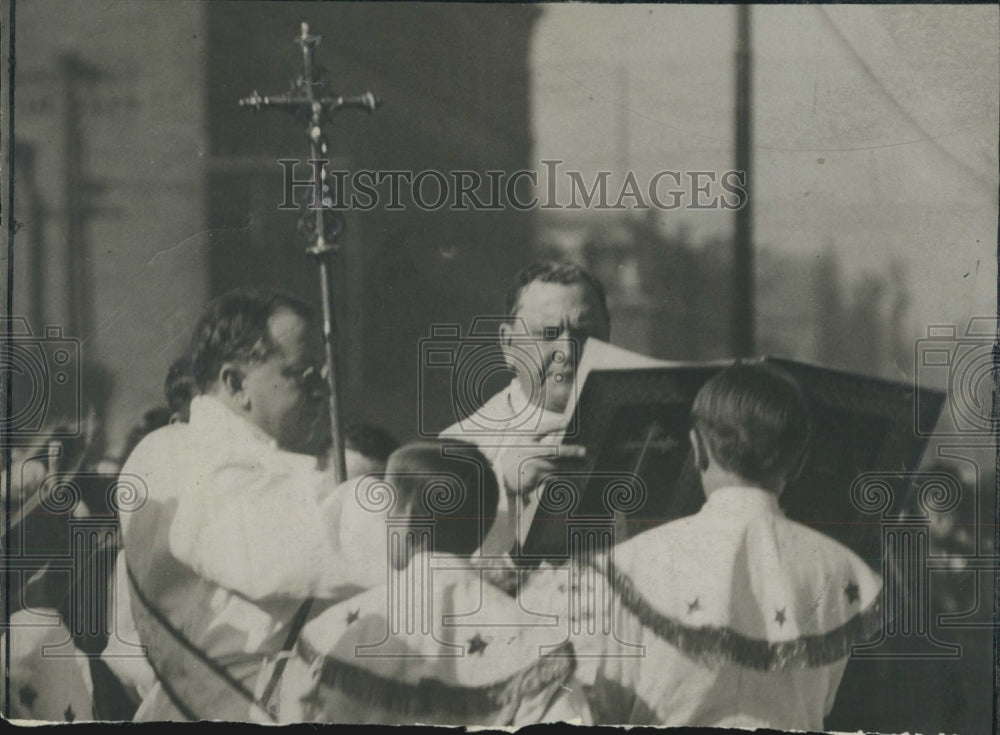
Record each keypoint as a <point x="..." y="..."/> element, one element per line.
<point x="746" y="618"/>
<point x="233" y="530"/>
<point x="557" y="306"/>
<point x="561" y="273"/>
<point x="260" y="353"/>
<point x="552" y="309"/>
<point x="463" y="652"/>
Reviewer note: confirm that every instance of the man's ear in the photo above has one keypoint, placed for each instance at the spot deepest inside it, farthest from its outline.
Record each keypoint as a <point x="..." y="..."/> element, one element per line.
<point x="700" y="451"/>
<point x="232" y="379"/>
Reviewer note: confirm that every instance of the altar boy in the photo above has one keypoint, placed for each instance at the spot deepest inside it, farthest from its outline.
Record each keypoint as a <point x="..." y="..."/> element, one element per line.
<point x="437" y="643"/>
<point x="747" y="618"/>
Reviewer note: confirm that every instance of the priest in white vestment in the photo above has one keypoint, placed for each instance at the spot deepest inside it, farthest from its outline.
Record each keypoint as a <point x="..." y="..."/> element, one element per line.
<point x="747" y="619"/>
<point x="234" y="531"/>
<point x="437" y="644"/>
<point x="552" y="309"/>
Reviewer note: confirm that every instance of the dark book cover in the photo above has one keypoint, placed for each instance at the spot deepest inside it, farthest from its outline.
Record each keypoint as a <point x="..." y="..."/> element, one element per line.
<point x="640" y="471"/>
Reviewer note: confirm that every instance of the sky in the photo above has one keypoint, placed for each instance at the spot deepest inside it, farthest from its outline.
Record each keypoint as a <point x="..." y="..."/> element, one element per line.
<point x="875" y="128"/>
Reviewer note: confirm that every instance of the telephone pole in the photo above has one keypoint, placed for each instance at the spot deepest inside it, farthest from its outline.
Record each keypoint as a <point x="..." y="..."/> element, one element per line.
<point x="743" y="314"/>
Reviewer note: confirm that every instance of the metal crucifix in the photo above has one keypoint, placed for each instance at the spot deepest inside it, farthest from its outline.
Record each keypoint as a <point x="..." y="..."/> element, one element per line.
<point x="320" y="224"/>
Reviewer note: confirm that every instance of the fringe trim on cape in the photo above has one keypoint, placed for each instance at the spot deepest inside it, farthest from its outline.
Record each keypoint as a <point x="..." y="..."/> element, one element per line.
<point x="712" y="645"/>
<point x="435" y="697"/>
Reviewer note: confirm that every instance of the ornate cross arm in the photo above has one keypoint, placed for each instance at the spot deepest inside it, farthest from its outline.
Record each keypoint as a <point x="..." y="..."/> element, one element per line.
<point x="309" y="92"/>
<point x="310" y="100"/>
<point x="365" y="101"/>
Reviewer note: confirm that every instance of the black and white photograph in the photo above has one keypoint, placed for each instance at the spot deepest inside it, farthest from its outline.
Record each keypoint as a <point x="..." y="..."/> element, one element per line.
<point x="500" y="364"/>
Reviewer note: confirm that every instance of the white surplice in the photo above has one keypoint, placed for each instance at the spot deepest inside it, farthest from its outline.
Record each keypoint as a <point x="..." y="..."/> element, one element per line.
<point x="230" y="535"/>
<point x="124" y="653"/>
<point x="438" y="645"/>
<point x="747" y="619"/>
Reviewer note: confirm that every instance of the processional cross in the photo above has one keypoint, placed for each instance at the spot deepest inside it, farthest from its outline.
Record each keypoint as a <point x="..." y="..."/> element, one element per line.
<point x="321" y="226"/>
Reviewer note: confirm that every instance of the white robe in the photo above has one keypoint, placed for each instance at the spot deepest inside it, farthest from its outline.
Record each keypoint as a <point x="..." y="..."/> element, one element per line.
<point x="746" y="619"/>
<point x="124" y="653"/>
<point x="232" y="535"/>
<point x="465" y="655"/>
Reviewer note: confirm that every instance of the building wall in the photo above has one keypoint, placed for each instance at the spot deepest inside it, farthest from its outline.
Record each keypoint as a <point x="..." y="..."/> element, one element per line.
<point x="109" y="139"/>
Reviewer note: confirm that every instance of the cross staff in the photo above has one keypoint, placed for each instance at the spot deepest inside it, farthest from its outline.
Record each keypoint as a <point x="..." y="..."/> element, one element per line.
<point x="321" y="226"/>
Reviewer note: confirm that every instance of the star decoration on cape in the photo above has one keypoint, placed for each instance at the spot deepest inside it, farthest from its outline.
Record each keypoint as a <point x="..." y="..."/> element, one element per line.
<point x="69" y="715"/>
<point x="352" y="616"/>
<point x="851" y="590"/>
<point x="693" y="605"/>
<point x="27" y="695"/>
<point x="779" y="617"/>
<point x="477" y="645"/>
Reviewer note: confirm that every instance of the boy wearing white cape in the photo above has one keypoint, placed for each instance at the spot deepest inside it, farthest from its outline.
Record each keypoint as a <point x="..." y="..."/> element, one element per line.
<point x="439" y="643"/>
<point x="746" y="617"/>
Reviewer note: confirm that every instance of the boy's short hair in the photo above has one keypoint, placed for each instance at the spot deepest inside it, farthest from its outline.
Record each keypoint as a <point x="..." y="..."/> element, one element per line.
<point x="452" y="485"/>
<point x="753" y="419"/>
<point x="371" y="441"/>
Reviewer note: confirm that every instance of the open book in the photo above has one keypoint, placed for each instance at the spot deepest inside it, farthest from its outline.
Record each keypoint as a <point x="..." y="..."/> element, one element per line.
<point x="631" y="412"/>
<point x="598" y="355"/>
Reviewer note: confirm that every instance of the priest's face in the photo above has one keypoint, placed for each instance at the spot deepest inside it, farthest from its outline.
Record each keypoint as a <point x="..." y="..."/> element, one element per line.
<point x="558" y="318"/>
<point x="286" y="391"/>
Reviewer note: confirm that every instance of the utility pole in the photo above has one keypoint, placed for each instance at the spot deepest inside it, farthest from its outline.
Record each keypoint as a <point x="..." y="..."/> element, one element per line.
<point x="743" y="315"/>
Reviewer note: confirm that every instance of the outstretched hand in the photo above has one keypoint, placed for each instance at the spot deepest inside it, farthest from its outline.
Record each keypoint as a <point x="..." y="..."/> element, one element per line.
<point x="525" y="466"/>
